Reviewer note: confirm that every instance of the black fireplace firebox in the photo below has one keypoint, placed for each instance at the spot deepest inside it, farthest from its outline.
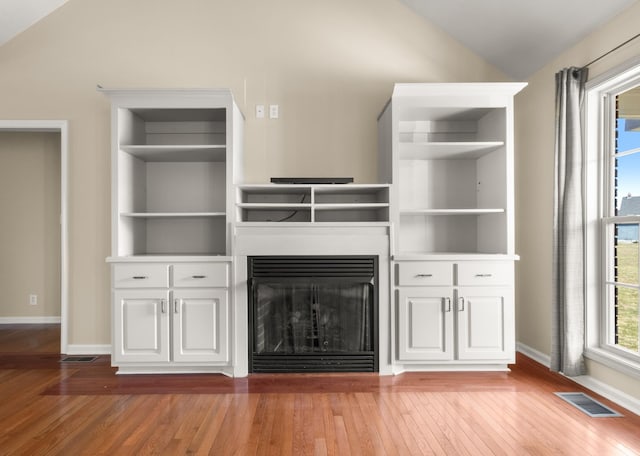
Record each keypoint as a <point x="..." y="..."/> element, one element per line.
<point x="313" y="313"/>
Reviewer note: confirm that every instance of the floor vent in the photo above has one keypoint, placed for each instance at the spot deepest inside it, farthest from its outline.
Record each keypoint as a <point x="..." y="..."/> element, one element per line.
<point x="588" y="405"/>
<point x="78" y="359"/>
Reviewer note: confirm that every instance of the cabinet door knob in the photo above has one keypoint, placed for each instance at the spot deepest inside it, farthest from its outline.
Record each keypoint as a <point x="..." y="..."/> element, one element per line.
<point x="461" y="306"/>
<point x="448" y="301"/>
<point x="424" y="275"/>
<point x="198" y="276"/>
<point x="176" y="306"/>
<point x="162" y="306"/>
<point x="140" y="277"/>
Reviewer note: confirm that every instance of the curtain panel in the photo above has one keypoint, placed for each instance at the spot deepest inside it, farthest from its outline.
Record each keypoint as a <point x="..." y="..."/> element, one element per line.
<point x="568" y="307"/>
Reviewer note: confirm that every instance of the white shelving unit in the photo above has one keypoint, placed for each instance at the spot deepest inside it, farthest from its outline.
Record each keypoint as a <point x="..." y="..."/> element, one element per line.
<point x="447" y="150"/>
<point x="449" y="154"/>
<point x="175" y="157"/>
<point x="281" y="203"/>
<point x="171" y="165"/>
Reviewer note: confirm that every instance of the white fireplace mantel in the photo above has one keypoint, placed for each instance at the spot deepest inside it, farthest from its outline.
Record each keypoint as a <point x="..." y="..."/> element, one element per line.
<point x="310" y="239"/>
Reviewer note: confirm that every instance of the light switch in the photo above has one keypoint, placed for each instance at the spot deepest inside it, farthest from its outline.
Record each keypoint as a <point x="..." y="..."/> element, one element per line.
<point x="259" y="111"/>
<point x="274" y="111"/>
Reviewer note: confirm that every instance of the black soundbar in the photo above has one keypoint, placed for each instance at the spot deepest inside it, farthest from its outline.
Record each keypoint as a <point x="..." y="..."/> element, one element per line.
<point x="311" y="180"/>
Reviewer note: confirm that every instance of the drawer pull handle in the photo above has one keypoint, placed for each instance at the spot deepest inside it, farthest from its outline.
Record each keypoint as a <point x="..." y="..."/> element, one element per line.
<point x="198" y="277"/>
<point x="424" y="275"/>
<point x="140" y="277"/>
<point x="484" y="275"/>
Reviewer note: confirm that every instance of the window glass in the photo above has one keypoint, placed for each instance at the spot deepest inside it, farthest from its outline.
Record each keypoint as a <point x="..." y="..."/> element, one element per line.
<point x="626" y="318"/>
<point x="625" y="198"/>
<point x="627" y="188"/>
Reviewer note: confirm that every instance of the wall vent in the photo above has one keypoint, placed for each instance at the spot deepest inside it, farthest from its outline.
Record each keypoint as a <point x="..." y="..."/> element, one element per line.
<point x="588" y="405"/>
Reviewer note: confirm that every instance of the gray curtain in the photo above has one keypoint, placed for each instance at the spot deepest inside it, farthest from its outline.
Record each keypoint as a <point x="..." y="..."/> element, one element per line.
<point x="568" y="227"/>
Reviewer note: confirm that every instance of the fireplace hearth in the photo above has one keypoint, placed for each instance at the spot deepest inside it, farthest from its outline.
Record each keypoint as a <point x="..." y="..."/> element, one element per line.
<point x="313" y="313"/>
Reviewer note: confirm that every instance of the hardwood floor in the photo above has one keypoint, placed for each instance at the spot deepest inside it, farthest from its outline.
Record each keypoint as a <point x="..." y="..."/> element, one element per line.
<point x="49" y="407"/>
<point x="27" y="338"/>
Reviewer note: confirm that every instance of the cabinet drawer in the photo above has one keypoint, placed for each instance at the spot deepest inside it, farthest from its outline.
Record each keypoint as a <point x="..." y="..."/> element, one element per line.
<point x="425" y="273"/>
<point x="138" y="275"/>
<point x="485" y="273"/>
<point x="201" y="275"/>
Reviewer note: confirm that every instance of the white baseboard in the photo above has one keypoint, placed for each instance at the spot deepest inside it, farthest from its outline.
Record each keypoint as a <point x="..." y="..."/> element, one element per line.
<point x="615" y="395"/>
<point x="621" y="398"/>
<point x="28" y="320"/>
<point x="534" y="354"/>
<point x="77" y="349"/>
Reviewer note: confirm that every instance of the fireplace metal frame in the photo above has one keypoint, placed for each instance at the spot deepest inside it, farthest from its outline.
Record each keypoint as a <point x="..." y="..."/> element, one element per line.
<point x="320" y="268"/>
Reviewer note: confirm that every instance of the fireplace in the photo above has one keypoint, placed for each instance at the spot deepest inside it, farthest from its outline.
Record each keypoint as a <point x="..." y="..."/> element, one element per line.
<point x="313" y="313"/>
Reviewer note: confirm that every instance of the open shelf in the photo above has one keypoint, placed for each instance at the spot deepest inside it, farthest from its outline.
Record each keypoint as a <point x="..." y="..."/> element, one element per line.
<point x="197" y="235"/>
<point x="177" y="153"/>
<point x="451" y="164"/>
<point x="172" y="214"/>
<point x="460" y="231"/>
<point x="446" y="150"/>
<point x="450" y="211"/>
<point x="313" y="203"/>
<point x="173" y="155"/>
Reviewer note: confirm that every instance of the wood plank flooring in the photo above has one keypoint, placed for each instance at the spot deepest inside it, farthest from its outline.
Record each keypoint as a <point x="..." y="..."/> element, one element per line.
<point x="49" y="407"/>
<point x="27" y="338"/>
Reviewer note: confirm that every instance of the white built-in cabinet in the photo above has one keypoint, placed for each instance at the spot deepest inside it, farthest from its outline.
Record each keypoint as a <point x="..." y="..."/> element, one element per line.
<point x="175" y="156"/>
<point x="172" y="321"/>
<point x="455" y="311"/>
<point x="447" y="150"/>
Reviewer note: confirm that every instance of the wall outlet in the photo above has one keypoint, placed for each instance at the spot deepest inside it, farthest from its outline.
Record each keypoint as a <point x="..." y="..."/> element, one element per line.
<point x="33" y="299"/>
<point x="259" y="111"/>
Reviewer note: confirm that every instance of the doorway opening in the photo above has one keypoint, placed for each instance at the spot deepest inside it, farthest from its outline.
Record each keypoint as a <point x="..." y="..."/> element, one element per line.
<point x="61" y="128"/>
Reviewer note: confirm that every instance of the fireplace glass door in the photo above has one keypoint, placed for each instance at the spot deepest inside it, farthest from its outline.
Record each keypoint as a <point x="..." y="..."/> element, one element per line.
<point x="313" y="323"/>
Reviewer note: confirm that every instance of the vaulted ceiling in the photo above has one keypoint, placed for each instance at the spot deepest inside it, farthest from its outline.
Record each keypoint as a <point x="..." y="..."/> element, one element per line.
<point x="516" y="36"/>
<point x="18" y="15"/>
<point x="519" y="36"/>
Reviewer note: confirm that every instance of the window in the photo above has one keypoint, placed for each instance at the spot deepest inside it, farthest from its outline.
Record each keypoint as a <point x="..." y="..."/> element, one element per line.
<point x="613" y="217"/>
<point x="621" y="223"/>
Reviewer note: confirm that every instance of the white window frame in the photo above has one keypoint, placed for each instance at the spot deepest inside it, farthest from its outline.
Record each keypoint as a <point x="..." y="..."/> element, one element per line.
<point x="599" y="116"/>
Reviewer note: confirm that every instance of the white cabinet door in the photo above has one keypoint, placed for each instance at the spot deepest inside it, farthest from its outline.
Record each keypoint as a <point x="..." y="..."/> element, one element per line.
<point x="425" y="324"/>
<point x="200" y="325"/>
<point x="485" y="324"/>
<point x="141" y="326"/>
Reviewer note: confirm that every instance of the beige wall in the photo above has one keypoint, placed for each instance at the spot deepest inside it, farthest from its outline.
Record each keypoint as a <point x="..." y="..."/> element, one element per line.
<point x="534" y="185"/>
<point x="30" y="224"/>
<point x="329" y="64"/>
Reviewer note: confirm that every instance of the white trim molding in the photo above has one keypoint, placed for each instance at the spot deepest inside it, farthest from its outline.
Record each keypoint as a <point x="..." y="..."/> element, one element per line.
<point x="534" y="354"/>
<point x="621" y="398"/>
<point x="78" y="349"/>
<point x="599" y="118"/>
<point x="28" y="320"/>
<point x="613" y="361"/>
<point x="615" y="395"/>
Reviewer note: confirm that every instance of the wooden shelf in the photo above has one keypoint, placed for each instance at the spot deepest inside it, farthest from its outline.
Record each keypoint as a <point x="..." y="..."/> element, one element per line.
<point x="275" y="206"/>
<point x="348" y="203"/>
<point x="177" y="153"/>
<point x="446" y="150"/>
<point x="172" y="214"/>
<point x="349" y="206"/>
<point x="474" y="211"/>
